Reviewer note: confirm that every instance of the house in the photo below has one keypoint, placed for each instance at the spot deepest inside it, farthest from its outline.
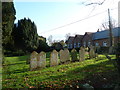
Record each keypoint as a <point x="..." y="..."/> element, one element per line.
<point x="77" y="41"/>
<point x="57" y="46"/>
<point x="102" y="38"/>
<point x="87" y="39"/>
<point x="70" y="42"/>
<point x="99" y="38"/>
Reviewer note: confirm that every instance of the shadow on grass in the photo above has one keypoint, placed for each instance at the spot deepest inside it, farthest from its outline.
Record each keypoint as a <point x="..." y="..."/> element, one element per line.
<point x="83" y="72"/>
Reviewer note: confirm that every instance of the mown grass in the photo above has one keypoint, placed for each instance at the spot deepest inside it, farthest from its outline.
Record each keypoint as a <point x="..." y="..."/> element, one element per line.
<point x="16" y="73"/>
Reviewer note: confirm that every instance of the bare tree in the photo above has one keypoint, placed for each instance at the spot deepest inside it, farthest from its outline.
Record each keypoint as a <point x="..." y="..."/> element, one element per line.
<point x="67" y="36"/>
<point x="50" y="40"/>
<point x="99" y="2"/>
<point x="105" y="25"/>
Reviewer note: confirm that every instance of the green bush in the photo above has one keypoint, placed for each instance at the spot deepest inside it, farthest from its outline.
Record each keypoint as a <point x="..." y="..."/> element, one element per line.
<point x="102" y="50"/>
<point x="14" y="53"/>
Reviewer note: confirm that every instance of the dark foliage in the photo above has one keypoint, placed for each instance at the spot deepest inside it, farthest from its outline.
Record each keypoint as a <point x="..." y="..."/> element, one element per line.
<point x="8" y="17"/>
<point x="57" y="46"/>
<point x="102" y="50"/>
<point x="118" y="56"/>
<point x="43" y="46"/>
<point x="25" y="35"/>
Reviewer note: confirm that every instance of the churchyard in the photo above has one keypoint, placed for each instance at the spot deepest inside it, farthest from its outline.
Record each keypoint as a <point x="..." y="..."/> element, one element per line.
<point x="61" y="69"/>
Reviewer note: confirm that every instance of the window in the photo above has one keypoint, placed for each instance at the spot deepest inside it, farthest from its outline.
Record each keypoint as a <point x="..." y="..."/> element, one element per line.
<point x="89" y="43"/>
<point x="78" y="45"/>
<point x="96" y="44"/>
<point x="84" y="44"/>
<point x="104" y="43"/>
<point x="70" y="45"/>
<point x="74" y="45"/>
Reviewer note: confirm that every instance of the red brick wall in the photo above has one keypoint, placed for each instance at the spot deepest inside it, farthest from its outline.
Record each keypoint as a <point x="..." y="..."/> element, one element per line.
<point x="86" y="39"/>
<point x="107" y="41"/>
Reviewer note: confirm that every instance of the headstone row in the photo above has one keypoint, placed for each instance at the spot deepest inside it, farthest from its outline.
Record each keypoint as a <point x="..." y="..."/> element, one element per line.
<point x="39" y="60"/>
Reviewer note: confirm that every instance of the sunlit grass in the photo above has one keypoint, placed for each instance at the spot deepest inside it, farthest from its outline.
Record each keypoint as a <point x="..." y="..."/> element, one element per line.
<point x="16" y="72"/>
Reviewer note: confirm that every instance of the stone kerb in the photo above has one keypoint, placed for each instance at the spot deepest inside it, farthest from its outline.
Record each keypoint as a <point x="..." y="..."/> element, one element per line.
<point x="33" y="60"/>
<point x="41" y="60"/>
<point x="54" y="58"/>
<point x="74" y="55"/>
<point x="82" y="54"/>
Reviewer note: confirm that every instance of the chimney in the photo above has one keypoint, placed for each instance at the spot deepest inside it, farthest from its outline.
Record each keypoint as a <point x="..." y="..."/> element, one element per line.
<point x="98" y="30"/>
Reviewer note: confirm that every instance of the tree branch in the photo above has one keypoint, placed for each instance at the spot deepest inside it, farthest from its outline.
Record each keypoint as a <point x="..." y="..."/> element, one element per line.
<point x="96" y="3"/>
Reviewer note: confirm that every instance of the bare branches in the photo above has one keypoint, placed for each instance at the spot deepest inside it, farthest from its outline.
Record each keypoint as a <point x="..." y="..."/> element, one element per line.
<point x="98" y="3"/>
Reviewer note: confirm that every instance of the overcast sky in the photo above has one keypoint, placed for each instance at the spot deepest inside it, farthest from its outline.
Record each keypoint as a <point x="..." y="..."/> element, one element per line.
<point x="57" y="18"/>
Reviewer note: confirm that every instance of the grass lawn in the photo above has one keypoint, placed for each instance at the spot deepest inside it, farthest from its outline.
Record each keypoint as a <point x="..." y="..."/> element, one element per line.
<point x="97" y="72"/>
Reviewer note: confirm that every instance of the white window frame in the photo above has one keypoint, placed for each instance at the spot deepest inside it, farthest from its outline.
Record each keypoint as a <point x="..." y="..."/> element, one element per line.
<point x="74" y="45"/>
<point x="78" y="45"/>
<point x="84" y="44"/>
<point x="104" y="43"/>
<point x="70" y="45"/>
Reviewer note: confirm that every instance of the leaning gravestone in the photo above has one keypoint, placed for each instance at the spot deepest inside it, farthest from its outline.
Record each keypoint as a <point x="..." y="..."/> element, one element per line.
<point x="74" y="55"/>
<point x="33" y="61"/>
<point x="41" y="60"/>
<point x="54" y="58"/>
<point x="82" y="54"/>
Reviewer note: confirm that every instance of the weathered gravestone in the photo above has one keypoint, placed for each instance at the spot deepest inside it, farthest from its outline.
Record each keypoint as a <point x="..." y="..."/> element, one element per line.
<point x="111" y="50"/>
<point x="64" y="56"/>
<point x="62" y="59"/>
<point x="74" y="55"/>
<point x="41" y="60"/>
<point x="54" y="58"/>
<point x="92" y="52"/>
<point x="33" y="61"/>
<point x="82" y="54"/>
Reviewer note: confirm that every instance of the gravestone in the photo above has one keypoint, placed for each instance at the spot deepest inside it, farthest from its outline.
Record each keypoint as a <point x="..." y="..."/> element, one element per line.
<point x="41" y="60"/>
<point x="82" y="54"/>
<point x="92" y="52"/>
<point x="54" y="58"/>
<point x="62" y="59"/>
<point x="74" y="55"/>
<point x="33" y="61"/>
<point x="111" y="50"/>
<point x="64" y="56"/>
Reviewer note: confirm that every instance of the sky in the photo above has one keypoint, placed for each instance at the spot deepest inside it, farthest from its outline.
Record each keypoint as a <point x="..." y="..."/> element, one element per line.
<point x="58" y="18"/>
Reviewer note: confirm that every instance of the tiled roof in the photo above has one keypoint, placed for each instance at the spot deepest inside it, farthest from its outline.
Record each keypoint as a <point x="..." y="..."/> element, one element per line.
<point x="105" y="34"/>
<point x="79" y="36"/>
<point x="70" y="39"/>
